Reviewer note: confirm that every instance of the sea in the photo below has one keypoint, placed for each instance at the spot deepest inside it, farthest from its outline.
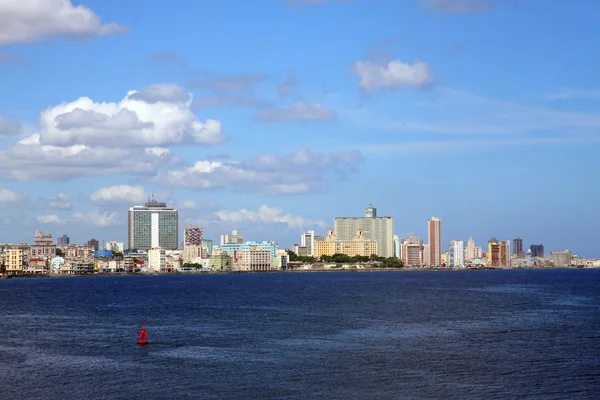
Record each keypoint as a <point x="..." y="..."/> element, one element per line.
<point x="510" y="334"/>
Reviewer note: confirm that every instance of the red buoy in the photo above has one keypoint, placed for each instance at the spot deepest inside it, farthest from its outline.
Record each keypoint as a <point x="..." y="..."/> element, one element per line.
<point x="143" y="338"/>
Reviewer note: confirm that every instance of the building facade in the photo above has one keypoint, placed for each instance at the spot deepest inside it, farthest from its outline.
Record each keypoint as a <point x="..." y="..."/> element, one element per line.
<point x="561" y="258"/>
<point x="434" y="235"/>
<point x="456" y="253"/>
<point x="193" y="235"/>
<point x="157" y="260"/>
<point x="517" y="248"/>
<point x="358" y="246"/>
<point x="233" y="238"/>
<point x="498" y="253"/>
<point x="379" y="229"/>
<point x="153" y="225"/>
<point x="537" y="250"/>
<point x="307" y="240"/>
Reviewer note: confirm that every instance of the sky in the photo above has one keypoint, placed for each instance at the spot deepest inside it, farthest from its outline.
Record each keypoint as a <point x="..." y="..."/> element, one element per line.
<point x="275" y="116"/>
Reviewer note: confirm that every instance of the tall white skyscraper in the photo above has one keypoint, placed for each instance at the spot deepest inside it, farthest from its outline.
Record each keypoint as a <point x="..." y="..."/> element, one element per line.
<point x="308" y="240"/>
<point x="380" y="229"/>
<point x="397" y="245"/>
<point x="153" y="225"/>
<point x="457" y="253"/>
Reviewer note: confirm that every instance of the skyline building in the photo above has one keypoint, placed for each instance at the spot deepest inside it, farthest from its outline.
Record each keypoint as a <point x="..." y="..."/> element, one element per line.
<point x="233" y="238"/>
<point x="518" y="247"/>
<point x="397" y="246"/>
<point x="63" y="240"/>
<point x="94" y="243"/>
<point x="379" y="229"/>
<point x="193" y="235"/>
<point x="153" y="225"/>
<point x="498" y="253"/>
<point x="537" y="250"/>
<point x="456" y="253"/>
<point x="308" y="240"/>
<point x="434" y="235"/>
<point x="358" y="246"/>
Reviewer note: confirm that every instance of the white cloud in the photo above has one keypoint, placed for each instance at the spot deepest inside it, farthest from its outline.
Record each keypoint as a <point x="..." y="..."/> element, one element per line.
<point x="266" y="215"/>
<point x="9" y="127"/>
<point x="9" y="196"/>
<point x="298" y="173"/>
<point x="23" y="21"/>
<point x="98" y="219"/>
<point x="61" y="202"/>
<point x="300" y="111"/>
<point x="455" y="112"/>
<point x="457" y="6"/>
<point x="120" y="194"/>
<point x="154" y="116"/>
<point x="575" y="94"/>
<point x="49" y="219"/>
<point x="227" y="89"/>
<point x="394" y="74"/>
<point x="186" y="204"/>
<point x="30" y="160"/>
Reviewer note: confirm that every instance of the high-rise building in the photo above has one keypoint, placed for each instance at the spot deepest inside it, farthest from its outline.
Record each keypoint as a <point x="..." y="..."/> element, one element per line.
<point x="498" y="253"/>
<point x="537" y="250"/>
<point x="153" y="225"/>
<point x="397" y="244"/>
<point x="434" y="234"/>
<point x="470" y="250"/>
<point x="63" y="240"/>
<point x="370" y="212"/>
<point x="561" y="258"/>
<point x="233" y="238"/>
<point x="94" y="243"/>
<point x="412" y="251"/>
<point x="456" y="253"/>
<point x="307" y="240"/>
<point x="380" y="229"/>
<point x="518" y="247"/>
<point x="193" y="235"/>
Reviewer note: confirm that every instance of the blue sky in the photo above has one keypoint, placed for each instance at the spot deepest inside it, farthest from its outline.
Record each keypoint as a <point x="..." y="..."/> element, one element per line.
<point x="275" y="116"/>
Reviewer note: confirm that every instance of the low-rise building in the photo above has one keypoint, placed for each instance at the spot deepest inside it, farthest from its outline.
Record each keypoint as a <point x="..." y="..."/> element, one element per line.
<point x="359" y="246"/>
<point x="14" y="261"/>
<point x="221" y="262"/>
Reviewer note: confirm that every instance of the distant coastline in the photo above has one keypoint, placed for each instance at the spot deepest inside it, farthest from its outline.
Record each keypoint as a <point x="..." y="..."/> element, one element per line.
<point x="296" y="270"/>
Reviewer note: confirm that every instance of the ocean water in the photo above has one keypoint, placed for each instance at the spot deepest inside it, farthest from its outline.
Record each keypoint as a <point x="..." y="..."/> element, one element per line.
<point x="381" y="335"/>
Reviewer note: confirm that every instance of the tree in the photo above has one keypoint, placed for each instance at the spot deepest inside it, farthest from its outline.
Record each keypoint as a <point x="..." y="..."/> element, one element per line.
<point x="293" y="256"/>
<point x="59" y="252"/>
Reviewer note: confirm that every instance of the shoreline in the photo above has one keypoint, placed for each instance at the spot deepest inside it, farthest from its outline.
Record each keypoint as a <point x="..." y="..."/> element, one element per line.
<point x="293" y="271"/>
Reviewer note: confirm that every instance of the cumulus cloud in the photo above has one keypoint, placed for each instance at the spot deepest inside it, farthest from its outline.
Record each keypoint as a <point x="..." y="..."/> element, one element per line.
<point x="49" y="219"/>
<point x="393" y="75"/>
<point x="31" y="160"/>
<point x="457" y="6"/>
<point x="97" y="219"/>
<point x="267" y="215"/>
<point x="9" y="127"/>
<point x="298" y="173"/>
<point x="61" y="202"/>
<point x="157" y="115"/>
<point x="8" y="196"/>
<point x="186" y="204"/>
<point x="119" y="194"/>
<point x="23" y="21"/>
<point x="299" y="111"/>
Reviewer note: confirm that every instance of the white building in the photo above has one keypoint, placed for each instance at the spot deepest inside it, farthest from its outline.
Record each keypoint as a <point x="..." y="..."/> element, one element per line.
<point x="456" y="253"/>
<point x="157" y="259"/>
<point x="117" y="247"/>
<point x="153" y="225"/>
<point x="397" y="247"/>
<point x="307" y="240"/>
<point x="233" y="238"/>
<point x="380" y="229"/>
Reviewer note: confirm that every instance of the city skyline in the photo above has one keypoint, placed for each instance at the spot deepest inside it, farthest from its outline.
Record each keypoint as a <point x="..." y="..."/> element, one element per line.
<point x="268" y="131"/>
